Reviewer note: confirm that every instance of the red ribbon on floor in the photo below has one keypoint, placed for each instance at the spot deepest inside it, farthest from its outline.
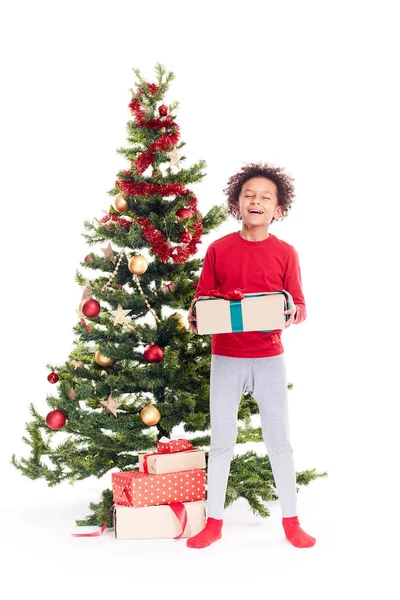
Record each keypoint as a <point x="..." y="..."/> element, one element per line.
<point x="233" y="295"/>
<point x="100" y="531"/>
<point x="177" y="507"/>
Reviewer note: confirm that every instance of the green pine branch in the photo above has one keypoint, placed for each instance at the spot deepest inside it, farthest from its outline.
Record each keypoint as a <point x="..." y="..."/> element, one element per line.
<point x="251" y="478"/>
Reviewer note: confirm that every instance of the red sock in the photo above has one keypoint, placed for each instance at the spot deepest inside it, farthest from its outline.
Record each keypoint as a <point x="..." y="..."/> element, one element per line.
<point x="295" y="534"/>
<point x="211" y="533"/>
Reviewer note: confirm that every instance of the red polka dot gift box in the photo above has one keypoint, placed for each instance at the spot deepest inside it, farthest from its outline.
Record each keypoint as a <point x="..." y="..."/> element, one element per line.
<point x="133" y="488"/>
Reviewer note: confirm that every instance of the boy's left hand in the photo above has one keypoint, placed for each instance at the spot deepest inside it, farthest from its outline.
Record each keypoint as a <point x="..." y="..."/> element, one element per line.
<point x="291" y="311"/>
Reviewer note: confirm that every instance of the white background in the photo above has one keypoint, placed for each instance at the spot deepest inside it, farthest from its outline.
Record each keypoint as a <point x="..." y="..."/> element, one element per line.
<point x="311" y="86"/>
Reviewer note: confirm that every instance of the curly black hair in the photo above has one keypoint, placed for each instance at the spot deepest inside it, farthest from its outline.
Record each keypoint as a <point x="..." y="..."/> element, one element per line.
<point x="283" y="182"/>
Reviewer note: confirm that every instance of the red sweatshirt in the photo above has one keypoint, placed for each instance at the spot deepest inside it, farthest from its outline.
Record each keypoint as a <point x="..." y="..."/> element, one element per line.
<point x="233" y="262"/>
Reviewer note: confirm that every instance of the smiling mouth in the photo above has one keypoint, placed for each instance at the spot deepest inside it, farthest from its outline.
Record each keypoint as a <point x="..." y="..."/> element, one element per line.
<point x="254" y="211"/>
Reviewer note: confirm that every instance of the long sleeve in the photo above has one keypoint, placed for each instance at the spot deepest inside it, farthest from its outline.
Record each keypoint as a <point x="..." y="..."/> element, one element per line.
<point x="208" y="280"/>
<point x="293" y="284"/>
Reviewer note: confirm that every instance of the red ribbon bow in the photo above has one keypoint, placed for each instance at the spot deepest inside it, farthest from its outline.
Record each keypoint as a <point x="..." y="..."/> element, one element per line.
<point x="233" y="295"/>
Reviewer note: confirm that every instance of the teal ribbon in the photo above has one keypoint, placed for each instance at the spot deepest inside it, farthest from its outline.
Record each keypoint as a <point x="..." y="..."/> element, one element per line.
<point x="235" y="307"/>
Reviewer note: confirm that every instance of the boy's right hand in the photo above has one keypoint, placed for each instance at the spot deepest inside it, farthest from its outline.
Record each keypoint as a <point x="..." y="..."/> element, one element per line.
<point x="191" y="319"/>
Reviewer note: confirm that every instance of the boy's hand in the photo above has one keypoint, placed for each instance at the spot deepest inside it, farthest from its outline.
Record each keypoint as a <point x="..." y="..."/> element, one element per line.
<point x="191" y="318"/>
<point x="291" y="311"/>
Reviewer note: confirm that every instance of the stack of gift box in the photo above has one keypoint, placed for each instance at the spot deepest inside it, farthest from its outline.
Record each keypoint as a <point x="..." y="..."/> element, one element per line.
<point x="164" y="497"/>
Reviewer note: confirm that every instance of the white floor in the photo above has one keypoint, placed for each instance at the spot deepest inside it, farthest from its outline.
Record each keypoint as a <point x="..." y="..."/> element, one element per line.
<point x="42" y="558"/>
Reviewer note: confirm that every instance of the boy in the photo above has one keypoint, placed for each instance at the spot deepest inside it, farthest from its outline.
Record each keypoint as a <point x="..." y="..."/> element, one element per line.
<point x="253" y="260"/>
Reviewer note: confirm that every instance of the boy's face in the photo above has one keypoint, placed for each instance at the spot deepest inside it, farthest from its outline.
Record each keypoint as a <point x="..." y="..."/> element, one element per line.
<point x="258" y="202"/>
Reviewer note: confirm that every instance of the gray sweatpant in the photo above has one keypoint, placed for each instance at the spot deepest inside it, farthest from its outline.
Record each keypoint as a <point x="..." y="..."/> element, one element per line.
<point x="265" y="379"/>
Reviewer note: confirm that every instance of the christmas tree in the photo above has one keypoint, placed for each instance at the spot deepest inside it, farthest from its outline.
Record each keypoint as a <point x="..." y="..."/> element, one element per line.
<point x="136" y="372"/>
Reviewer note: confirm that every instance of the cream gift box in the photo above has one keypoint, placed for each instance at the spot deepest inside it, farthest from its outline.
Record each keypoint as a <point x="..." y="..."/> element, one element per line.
<point x="254" y="312"/>
<point x="157" y="522"/>
<point x="158" y="463"/>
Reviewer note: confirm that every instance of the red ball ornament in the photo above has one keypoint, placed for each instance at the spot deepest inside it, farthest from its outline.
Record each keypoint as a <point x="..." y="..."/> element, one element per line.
<point x="153" y="353"/>
<point x="184" y="213"/>
<point x="163" y="110"/>
<point x="87" y="258"/>
<point x="52" y="377"/>
<point x="56" y="419"/>
<point x="186" y="237"/>
<point x="90" y="308"/>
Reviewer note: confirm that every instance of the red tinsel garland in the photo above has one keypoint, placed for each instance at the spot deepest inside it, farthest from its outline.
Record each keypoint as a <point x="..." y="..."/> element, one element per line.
<point x="165" y="141"/>
<point x="158" y="243"/>
<point x="153" y="87"/>
<point x="149" y="189"/>
<point x="145" y="159"/>
<point x="157" y="123"/>
<point x="115" y="219"/>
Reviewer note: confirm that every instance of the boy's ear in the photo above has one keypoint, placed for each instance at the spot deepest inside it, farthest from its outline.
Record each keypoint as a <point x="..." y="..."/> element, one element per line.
<point x="237" y="212"/>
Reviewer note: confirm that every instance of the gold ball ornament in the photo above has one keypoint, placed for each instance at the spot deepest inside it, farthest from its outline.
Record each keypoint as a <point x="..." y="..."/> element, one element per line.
<point x="150" y="415"/>
<point x="120" y="204"/>
<point x="138" y="264"/>
<point x="180" y="318"/>
<point x="103" y="361"/>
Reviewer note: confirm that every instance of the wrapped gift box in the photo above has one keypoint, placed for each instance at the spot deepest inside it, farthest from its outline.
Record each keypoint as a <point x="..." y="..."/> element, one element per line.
<point x="159" y="522"/>
<point x="134" y="488"/>
<point x="254" y="312"/>
<point x="161" y="462"/>
<point x="164" y="444"/>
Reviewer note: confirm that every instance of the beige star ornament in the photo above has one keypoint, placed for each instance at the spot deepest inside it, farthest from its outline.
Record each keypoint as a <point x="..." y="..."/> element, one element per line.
<point x="87" y="290"/>
<point x="174" y="157"/>
<point x="111" y="405"/>
<point x="119" y="315"/>
<point x="109" y="252"/>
